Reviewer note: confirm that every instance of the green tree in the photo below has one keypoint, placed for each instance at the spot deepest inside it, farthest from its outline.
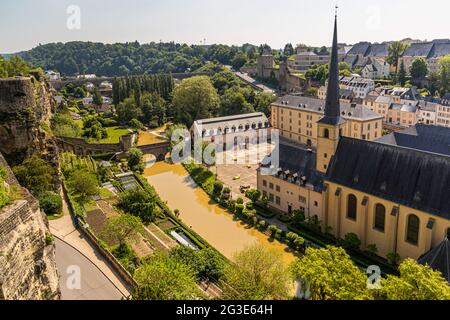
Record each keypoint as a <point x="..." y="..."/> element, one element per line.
<point x="97" y="98"/>
<point x="239" y="60"/>
<point x="206" y="263"/>
<point x="224" y="80"/>
<point x="122" y="228"/>
<point x="36" y="175"/>
<point x="63" y="125"/>
<point x="50" y="202"/>
<point x="93" y="128"/>
<point x="83" y="184"/>
<point x="257" y="274"/>
<point x="416" y="282"/>
<point x="331" y="275"/>
<point x="136" y="124"/>
<point x="444" y="75"/>
<point x="154" y="109"/>
<point x="128" y="110"/>
<point x="396" y="50"/>
<point x="139" y="203"/>
<point x="402" y="74"/>
<point x="165" y="278"/>
<point x="263" y="101"/>
<point x="135" y="160"/>
<point x="288" y="50"/>
<point x="233" y="103"/>
<point x="195" y="98"/>
<point x="419" y="69"/>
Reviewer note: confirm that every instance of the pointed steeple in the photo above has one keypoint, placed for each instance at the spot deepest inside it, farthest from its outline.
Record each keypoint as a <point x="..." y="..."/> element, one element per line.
<point x="332" y="105"/>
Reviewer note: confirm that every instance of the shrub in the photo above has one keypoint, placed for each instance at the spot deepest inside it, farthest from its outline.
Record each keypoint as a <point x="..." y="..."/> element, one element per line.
<point x="351" y="241"/>
<point x="393" y="258"/>
<point x="372" y="249"/>
<point x="253" y="194"/>
<point x="298" y="216"/>
<point x="262" y="225"/>
<point x="226" y="190"/>
<point x="249" y="205"/>
<point x="218" y="187"/>
<point x="273" y="230"/>
<point x="279" y="234"/>
<point x="291" y="237"/>
<point x="299" y="244"/>
<point x="239" y="208"/>
<point x="232" y="205"/>
<point x="51" y="203"/>
<point x="240" y="200"/>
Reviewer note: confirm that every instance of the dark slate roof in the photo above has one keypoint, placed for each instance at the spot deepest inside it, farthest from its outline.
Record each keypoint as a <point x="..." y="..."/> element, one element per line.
<point x="409" y="177"/>
<point x="439" y="258"/>
<point x="422" y="137"/>
<point x="348" y="110"/>
<point x="419" y="50"/>
<point x="439" y="50"/>
<point x="360" y="49"/>
<point x="300" y="163"/>
<point x="378" y="50"/>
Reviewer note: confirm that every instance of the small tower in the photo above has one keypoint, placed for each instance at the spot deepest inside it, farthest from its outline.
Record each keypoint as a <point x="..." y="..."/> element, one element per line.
<point x="331" y="126"/>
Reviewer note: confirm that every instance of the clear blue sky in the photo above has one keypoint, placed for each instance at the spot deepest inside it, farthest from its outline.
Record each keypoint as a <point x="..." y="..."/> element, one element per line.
<point x="26" y="23"/>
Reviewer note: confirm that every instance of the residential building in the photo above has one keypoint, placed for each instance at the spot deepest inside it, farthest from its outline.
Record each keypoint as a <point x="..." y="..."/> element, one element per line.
<point x="361" y="54"/>
<point x="360" y="86"/>
<point x="428" y="112"/>
<point x="304" y="60"/>
<point x="443" y="116"/>
<point x="391" y="193"/>
<point x="53" y="75"/>
<point x="377" y="68"/>
<point x="430" y="51"/>
<point x="346" y="96"/>
<point x="402" y="114"/>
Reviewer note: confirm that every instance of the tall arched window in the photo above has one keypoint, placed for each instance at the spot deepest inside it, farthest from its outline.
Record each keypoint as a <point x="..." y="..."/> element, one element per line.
<point x="380" y="217"/>
<point x="412" y="231"/>
<point x="326" y="133"/>
<point x="352" y="205"/>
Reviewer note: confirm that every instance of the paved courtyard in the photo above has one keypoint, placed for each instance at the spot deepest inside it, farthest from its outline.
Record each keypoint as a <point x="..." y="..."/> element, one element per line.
<point x="241" y="164"/>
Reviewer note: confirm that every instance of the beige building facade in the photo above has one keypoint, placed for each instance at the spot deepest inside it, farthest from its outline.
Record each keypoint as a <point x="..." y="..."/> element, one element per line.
<point x="296" y="118"/>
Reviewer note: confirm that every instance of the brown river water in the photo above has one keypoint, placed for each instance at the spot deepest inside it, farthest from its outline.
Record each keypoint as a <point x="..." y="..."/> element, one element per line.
<point x="211" y="222"/>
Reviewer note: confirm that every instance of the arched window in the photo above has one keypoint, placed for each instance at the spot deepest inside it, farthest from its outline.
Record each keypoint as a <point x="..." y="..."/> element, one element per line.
<point x="448" y="233"/>
<point x="326" y="133"/>
<point x="380" y="217"/>
<point x="352" y="204"/>
<point x="412" y="231"/>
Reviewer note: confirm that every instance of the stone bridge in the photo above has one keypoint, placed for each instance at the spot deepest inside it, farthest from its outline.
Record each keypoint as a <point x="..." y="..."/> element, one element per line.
<point x="159" y="150"/>
<point x="59" y="84"/>
<point x="81" y="147"/>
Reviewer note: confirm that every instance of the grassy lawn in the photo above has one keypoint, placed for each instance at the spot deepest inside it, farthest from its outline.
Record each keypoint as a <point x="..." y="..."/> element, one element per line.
<point x="91" y="206"/>
<point x="114" y="133"/>
<point x="105" y="193"/>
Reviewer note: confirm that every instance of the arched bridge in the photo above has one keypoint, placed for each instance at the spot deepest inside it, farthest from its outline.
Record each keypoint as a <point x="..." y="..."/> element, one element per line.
<point x="159" y="150"/>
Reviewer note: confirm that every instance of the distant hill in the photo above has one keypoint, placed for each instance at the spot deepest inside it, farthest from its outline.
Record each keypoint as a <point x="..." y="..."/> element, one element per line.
<point x="133" y="58"/>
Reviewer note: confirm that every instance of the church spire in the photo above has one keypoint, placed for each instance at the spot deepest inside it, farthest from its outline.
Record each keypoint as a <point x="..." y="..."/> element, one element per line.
<point x="332" y="105"/>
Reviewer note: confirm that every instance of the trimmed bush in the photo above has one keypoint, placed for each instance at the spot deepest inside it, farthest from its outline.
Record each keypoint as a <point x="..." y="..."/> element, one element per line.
<point x="239" y="208"/>
<point x="218" y="187"/>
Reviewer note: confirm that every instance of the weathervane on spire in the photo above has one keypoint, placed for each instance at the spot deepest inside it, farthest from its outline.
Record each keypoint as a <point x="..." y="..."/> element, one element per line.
<point x="336" y="9"/>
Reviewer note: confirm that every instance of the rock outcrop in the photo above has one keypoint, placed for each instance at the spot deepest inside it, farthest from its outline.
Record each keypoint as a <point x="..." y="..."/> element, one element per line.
<point x="27" y="256"/>
<point x="26" y="107"/>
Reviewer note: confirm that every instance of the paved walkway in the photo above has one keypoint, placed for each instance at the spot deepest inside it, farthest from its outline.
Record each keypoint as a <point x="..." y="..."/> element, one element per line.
<point x="92" y="284"/>
<point x="64" y="229"/>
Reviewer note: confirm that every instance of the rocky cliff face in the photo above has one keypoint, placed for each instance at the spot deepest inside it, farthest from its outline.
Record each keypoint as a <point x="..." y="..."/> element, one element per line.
<point x="26" y="107"/>
<point x="27" y="259"/>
